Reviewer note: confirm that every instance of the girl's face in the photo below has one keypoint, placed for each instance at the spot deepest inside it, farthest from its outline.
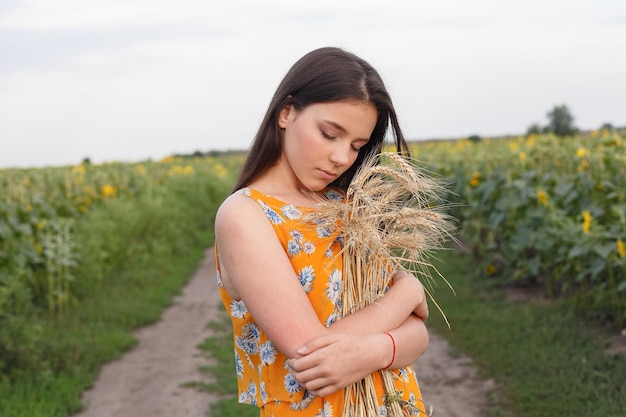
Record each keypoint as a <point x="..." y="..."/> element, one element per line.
<point x="323" y="140"/>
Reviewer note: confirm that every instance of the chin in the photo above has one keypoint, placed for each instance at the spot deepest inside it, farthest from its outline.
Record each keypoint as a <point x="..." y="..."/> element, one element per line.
<point x="316" y="188"/>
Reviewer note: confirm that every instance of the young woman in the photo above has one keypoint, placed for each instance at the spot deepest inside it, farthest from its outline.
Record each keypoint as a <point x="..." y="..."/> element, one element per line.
<point x="280" y="278"/>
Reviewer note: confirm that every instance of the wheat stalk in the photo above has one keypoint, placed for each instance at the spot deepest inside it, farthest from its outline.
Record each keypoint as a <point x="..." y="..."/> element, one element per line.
<point x="388" y="224"/>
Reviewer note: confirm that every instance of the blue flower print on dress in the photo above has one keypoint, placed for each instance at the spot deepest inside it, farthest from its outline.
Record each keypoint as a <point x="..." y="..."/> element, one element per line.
<point x="291" y="212"/>
<point x="308" y="248"/>
<point x="271" y="215"/>
<point x="332" y="319"/>
<point x="293" y="248"/>
<point x="333" y="195"/>
<point x="324" y="230"/>
<point x="247" y="344"/>
<point x="306" y="277"/>
<point x="268" y="353"/>
<point x="291" y="384"/>
<point x="252" y="390"/>
<point x="238" y="365"/>
<point x="307" y="397"/>
<point x="403" y="375"/>
<point x="244" y="398"/>
<point x="296" y="235"/>
<point x="327" y="411"/>
<point x="252" y="330"/>
<point x="333" y="286"/>
<point x="238" y="309"/>
<point x="264" y="395"/>
<point x="218" y="276"/>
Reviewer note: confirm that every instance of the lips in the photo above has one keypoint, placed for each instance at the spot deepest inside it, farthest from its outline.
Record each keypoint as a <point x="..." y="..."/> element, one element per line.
<point x="328" y="174"/>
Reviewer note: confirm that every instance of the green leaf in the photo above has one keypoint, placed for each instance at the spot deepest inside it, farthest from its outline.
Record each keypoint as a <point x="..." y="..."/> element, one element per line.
<point x="597" y="267"/>
<point x="576" y="251"/>
<point x="604" y="250"/>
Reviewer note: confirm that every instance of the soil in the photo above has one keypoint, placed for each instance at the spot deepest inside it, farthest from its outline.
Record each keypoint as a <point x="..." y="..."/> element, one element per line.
<point x="148" y="380"/>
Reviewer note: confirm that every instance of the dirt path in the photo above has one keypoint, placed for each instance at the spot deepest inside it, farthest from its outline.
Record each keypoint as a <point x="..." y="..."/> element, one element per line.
<point x="449" y="382"/>
<point x="146" y="382"/>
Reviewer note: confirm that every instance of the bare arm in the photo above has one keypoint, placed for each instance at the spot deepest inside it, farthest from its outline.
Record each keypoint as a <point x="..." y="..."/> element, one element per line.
<point x="256" y="269"/>
<point x="332" y="362"/>
<point x="405" y="297"/>
<point x="358" y="345"/>
<point x="411" y="341"/>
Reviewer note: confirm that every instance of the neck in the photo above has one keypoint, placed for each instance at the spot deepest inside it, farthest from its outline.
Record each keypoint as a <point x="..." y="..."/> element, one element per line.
<point x="287" y="191"/>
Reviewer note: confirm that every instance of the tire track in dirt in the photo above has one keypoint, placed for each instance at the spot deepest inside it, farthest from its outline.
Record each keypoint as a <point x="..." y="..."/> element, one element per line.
<point x="147" y="381"/>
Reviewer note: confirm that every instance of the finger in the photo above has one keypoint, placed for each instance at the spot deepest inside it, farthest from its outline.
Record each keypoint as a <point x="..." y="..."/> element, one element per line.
<point x="326" y="390"/>
<point x="316" y="343"/>
<point x="316" y="359"/>
<point x="318" y="385"/>
<point x="311" y="381"/>
<point x="301" y="365"/>
<point x="305" y="362"/>
<point x="314" y="373"/>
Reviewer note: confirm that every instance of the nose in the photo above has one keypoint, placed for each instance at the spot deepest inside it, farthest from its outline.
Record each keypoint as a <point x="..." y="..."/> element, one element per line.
<point x="341" y="154"/>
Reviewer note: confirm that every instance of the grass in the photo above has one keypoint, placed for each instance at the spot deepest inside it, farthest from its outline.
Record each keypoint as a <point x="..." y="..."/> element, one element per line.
<point x="546" y="360"/>
<point x="135" y="255"/>
<point x="219" y="347"/>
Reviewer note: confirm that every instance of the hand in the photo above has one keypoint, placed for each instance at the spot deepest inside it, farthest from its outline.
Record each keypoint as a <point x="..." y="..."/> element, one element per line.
<point x="335" y="360"/>
<point x="421" y="310"/>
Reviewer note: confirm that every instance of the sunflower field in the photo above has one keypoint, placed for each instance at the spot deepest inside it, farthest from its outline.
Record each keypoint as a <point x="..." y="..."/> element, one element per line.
<point x="85" y="249"/>
<point x="61" y="240"/>
<point x="543" y="210"/>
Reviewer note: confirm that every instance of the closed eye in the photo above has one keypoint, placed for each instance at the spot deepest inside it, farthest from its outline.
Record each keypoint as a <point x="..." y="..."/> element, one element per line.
<point x="327" y="135"/>
<point x="357" y="146"/>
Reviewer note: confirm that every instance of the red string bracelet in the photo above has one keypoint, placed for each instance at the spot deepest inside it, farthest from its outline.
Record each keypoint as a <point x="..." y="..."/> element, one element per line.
<point x="393" y="357"/>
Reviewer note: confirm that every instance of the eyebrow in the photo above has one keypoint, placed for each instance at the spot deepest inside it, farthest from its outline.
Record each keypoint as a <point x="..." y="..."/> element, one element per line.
<point x="341" y="128"/>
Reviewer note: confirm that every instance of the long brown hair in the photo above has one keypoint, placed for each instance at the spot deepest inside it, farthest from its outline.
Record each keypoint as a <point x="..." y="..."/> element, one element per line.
<point x="323" y="75"/>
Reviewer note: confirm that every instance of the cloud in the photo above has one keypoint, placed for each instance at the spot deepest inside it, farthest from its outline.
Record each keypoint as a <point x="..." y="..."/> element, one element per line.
<point x="114" y="79"/>
<point x="74" y="15"/>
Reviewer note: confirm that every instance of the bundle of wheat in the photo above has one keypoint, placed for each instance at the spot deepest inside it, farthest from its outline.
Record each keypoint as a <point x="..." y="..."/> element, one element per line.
<point x="391" y="220"/>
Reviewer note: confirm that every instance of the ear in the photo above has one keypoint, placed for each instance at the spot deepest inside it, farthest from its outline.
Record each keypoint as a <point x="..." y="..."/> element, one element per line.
<point x="283" y="116"/>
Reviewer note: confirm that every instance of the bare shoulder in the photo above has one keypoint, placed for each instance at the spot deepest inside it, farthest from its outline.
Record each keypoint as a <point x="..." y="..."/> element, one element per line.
<point x="247" y="245"/>
<point x="239" y="214"/>
<point x="235" y="203"/>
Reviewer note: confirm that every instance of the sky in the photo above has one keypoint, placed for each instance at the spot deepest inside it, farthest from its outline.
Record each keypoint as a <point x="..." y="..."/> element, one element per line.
<point x="128" y="80"/>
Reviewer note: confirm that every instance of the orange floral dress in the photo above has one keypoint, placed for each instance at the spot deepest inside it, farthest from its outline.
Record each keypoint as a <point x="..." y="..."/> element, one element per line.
<point x="264" y="379"/>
